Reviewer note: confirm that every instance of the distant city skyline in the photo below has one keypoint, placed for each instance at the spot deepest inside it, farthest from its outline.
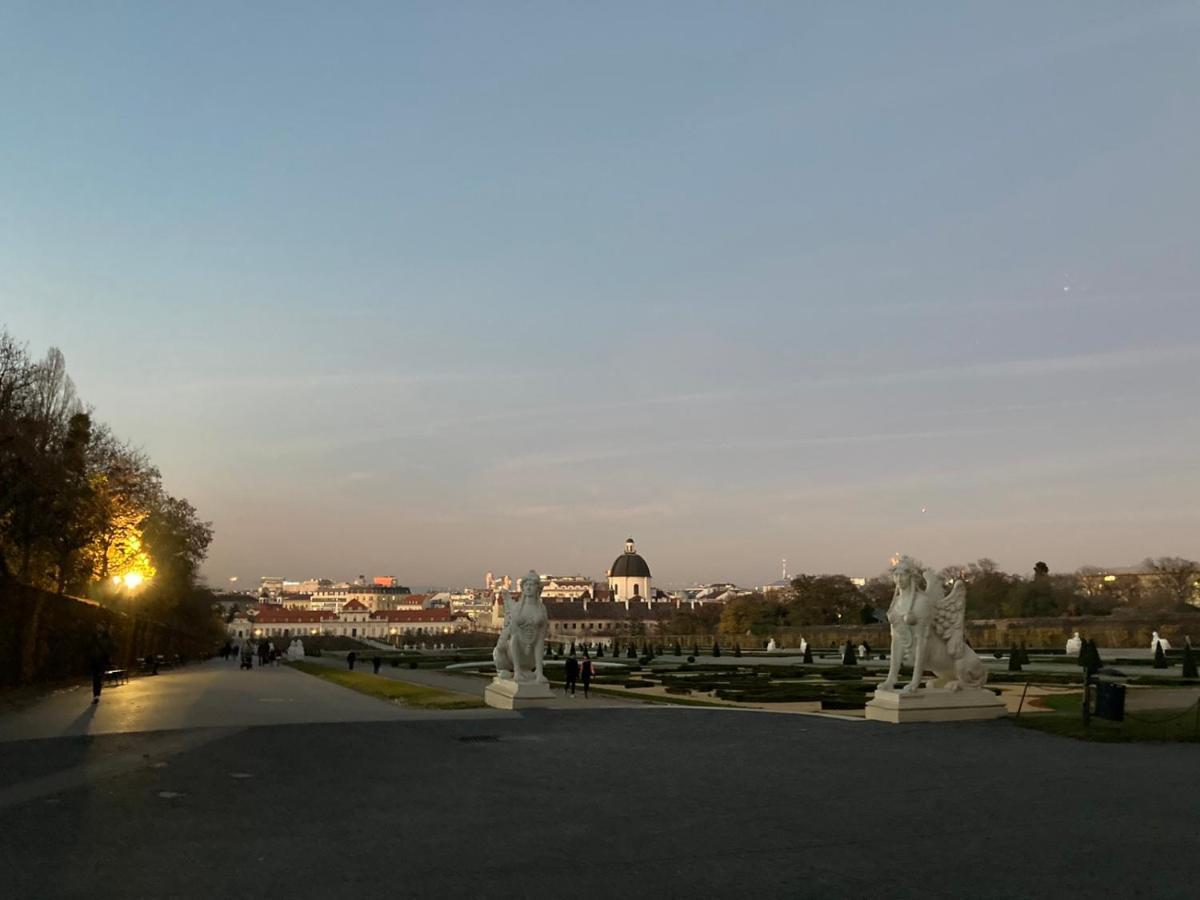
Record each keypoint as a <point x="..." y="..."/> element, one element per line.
<point x="430" y="290"/>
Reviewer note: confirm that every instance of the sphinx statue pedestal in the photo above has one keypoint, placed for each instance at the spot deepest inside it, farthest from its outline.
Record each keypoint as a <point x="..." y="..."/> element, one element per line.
<point x="508" y="694"/>
<point x="935" y="705"/>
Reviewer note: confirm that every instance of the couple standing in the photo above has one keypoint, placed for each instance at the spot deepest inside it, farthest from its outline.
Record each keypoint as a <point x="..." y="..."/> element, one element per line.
<point x="578" y="671"/>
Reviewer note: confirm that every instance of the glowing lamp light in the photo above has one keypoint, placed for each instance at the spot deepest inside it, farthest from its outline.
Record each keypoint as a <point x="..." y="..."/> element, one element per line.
<point x="116" y="579"/>
<point x="133" y="579"/>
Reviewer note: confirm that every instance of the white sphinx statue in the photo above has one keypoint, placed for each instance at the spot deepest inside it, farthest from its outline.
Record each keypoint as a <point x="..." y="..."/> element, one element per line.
<point x="521" y="649"/>
<point x="928" y="630"/>
<point x="1074" y="644"/>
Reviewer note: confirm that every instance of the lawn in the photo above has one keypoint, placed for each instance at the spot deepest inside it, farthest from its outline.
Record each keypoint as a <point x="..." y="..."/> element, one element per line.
<point x="1067" y="720"/>
<point x="415" y="696"/>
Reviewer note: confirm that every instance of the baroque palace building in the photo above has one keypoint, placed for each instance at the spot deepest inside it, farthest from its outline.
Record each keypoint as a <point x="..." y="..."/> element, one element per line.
<point x="353" y="620"/>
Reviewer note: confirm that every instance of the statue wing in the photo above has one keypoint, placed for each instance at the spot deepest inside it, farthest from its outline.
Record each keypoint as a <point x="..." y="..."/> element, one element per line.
<point x="949" y="618"/>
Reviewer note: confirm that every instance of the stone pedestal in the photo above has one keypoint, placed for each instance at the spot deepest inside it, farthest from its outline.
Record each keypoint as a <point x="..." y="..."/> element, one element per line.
<point x="509" y="694"/>
<point x="935" y="705"/>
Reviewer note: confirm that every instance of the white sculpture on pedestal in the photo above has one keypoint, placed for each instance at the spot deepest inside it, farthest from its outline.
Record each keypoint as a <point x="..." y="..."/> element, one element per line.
<point x="1155" y="640"/>
<point x="521" y="647"/>
<point x="928" y="632"/>
<point x="520" y="651"/>
<point x="771" y="645"/>
<point x="1074" y="644"/>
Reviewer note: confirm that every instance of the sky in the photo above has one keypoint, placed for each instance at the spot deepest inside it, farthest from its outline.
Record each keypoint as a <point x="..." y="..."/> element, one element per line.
<point x="430" y="289"/>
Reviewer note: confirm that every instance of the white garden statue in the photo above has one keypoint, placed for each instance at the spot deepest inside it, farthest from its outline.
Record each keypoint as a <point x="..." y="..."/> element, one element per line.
<point x="1074" y="644"/>
<point x="771" y="645"/>
<point x="928" y="632"/>
<point x="1155" y="640"/>
<point x="521" y="647"/>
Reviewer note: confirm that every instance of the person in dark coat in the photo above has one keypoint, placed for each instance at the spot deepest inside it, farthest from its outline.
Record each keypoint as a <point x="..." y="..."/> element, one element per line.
<point x="350" y="658"/>
<point x="376" y="662"/>
<point x="572" y="669"/>
<point x="100" y="650"/>
<point x="585" y="673"/>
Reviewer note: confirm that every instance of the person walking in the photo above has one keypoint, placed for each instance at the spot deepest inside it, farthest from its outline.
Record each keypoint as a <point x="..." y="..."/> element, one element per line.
<point x="100" y="650"/>
<point x="350" y="658"/>
<point x="585" y="673"/>
<point x="572" y="669"/>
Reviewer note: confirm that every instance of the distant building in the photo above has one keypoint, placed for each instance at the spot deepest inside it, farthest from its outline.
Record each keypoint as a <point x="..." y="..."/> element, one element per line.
<point x="270" y="588"/>
<point x="354" y="620"/>
<point x="566" y="587"/>
<point x="629" y="575"/>
<point x="332" y="599"/>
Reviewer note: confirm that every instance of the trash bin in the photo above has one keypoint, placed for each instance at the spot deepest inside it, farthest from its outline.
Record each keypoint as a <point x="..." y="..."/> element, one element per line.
<point x="1110" y="701"/>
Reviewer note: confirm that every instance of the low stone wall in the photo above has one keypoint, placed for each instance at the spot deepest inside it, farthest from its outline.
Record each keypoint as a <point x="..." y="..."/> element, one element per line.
<point x="45" y="637"/>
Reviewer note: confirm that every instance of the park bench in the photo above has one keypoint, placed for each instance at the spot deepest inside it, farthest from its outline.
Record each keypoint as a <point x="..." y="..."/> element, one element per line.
<point x="116" y="676"/>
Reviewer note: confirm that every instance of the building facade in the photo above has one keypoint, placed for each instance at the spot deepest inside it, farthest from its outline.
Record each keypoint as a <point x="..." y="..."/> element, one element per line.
<point x="354" y="620"/>
<point x="629" y="576"/>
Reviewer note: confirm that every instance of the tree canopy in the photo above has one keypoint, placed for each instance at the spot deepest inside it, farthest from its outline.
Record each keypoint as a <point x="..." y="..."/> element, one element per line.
<point x="81" y="511"/>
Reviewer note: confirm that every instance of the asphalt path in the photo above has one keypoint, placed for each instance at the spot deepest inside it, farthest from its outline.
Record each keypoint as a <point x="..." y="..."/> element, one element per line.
<point x="213" y="694"/>
<point x="667" y="801"/>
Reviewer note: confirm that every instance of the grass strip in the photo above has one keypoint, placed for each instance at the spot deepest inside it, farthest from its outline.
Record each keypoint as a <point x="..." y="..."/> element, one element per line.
<point x="403" y="693"/>
<point x="1067" y="721"/>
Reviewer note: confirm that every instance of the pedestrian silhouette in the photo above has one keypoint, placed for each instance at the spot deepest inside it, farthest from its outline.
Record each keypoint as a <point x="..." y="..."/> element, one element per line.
<point x="572" y="669"/>
<point x="585" y="672"/>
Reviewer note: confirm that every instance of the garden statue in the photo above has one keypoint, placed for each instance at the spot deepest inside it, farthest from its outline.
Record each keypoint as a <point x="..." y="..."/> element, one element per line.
<point x="295" y="649"/>
<point x="1074" y="645"/>
<point x="771" y="645"/>
<point x="928" y="629"/>
<point x="521" y="649"/>
<point x="1155" y="640"/>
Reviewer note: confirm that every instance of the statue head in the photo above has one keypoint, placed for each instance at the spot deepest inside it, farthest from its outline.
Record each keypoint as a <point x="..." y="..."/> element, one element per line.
<point x="904" y="572"/>
<point x="531" y="586"/>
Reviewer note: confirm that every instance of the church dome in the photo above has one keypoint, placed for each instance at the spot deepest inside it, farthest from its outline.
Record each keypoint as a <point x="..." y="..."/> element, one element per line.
<point x="629" y="564"/>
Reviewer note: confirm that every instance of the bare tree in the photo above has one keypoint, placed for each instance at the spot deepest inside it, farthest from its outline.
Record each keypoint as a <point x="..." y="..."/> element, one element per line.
<point x="1179" y="578"/>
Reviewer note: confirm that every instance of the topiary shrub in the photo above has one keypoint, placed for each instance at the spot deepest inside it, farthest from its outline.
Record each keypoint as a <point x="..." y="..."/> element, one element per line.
<point x="678" y="649"/>
<point x="716" y="650"/>
<point x="695" y="649"/>
<point x="808" y="660"/>
<point x="737" y="649"/>
<point x="691" y="659"/>
<point x="631" y="652"/>
<point x="1160" y="658"/>
<point x="1189" y="661"/>
<point x="1014" y="659"/>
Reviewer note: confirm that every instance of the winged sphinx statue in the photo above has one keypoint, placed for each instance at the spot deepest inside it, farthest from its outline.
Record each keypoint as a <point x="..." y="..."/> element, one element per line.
<point x="928" y="632"/>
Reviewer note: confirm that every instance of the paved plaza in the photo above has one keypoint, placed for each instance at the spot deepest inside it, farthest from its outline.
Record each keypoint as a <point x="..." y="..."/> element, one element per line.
<point x="213" y="782"/>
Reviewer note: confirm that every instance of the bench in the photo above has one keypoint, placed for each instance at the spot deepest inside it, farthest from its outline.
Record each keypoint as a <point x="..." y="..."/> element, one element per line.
<point x="116" y="676"/>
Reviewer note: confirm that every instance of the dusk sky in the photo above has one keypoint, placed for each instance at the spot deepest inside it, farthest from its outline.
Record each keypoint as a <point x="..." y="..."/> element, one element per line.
<point x="428" y="289"/>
